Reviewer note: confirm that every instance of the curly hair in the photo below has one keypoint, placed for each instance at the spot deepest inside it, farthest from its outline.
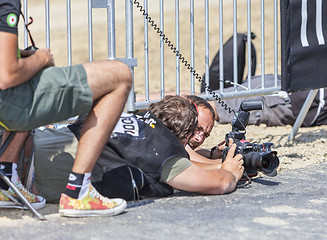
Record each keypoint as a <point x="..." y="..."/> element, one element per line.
<point x="178" y="114"/>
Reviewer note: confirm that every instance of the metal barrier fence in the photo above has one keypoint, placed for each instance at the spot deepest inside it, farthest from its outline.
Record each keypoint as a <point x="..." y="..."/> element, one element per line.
<point x="224" y="95"/>
<point x="180" y="9"/>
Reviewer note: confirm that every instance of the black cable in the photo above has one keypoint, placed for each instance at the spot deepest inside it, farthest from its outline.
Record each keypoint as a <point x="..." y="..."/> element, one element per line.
<point x="181" y="57"/>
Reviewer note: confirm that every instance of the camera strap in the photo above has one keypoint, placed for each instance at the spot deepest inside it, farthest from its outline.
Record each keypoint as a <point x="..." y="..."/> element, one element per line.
<point x="26" y="24"/>
<point x="244" y="183"/>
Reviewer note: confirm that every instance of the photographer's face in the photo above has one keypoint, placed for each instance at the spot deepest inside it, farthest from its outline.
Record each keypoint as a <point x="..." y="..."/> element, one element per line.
<point x="203" y="130"/>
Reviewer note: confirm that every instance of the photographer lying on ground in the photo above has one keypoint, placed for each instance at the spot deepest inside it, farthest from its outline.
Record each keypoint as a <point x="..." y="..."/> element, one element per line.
<point x="141" y="141"/>
<point x="256" y="157"/>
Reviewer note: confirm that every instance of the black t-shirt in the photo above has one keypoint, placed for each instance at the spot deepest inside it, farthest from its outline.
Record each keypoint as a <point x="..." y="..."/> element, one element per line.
<point x="140" y="140"/>
<point x="9" y="15"/>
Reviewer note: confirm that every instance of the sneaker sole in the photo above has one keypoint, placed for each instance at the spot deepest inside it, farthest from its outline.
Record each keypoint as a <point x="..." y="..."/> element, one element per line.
<point x="36" y="206"/>
<point x="11" y="205"/>
<point x="92" y="213"/>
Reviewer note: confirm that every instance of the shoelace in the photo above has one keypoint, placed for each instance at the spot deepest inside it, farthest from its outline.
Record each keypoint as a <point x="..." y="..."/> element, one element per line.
<point x="12" y="198"/>
<point x="23" y="189"/>
<point x="96" y="194"/>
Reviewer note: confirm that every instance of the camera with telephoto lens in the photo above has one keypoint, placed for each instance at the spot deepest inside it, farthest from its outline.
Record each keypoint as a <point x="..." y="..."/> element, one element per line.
<point x="255" y="156"/>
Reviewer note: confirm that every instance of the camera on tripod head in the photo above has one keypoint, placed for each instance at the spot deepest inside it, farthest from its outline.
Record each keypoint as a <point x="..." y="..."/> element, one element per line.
<point x="255" y="156"/>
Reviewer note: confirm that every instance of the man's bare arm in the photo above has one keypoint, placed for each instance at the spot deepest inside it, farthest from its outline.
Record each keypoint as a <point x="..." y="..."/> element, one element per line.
<point x="211" y="181"/>
<point x="200" y="180"/>
<point x="198" y="158"/>
<point x="214" y="165"/>
<point x="14" y="71"/>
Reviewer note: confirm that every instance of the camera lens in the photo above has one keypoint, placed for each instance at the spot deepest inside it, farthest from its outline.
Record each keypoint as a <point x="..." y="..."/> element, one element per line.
<point x="267" y="162"/>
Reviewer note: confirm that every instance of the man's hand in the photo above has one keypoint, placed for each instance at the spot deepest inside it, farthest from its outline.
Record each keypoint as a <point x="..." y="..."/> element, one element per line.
<point x="43" y="53"/>
<point x="217" y="151"/>
<point x="46" y="56"/>
<point x="15" y="71"/>
<point x="233" y="163"/>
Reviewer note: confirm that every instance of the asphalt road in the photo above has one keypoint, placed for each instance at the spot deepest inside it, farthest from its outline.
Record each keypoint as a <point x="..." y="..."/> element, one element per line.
<point x="291" y="205"/>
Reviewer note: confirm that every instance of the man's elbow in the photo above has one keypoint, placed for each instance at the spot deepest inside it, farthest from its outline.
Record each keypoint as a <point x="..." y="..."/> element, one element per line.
<point x="3" y="85"/>
<point x="223" y="186"/>
<point x="6" y="81"/>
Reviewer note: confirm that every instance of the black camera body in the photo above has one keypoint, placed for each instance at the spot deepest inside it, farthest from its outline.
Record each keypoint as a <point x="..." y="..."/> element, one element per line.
<point x="255" y="156"/>
<point x="31" y="48"/>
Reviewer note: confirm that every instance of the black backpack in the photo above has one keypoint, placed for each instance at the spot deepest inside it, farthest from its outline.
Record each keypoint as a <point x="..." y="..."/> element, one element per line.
<point x="228" y="62"/>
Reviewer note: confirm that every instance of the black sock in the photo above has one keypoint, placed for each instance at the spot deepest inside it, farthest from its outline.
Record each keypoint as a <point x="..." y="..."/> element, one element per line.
<point x="76" y="183"/>
<point x="6" y="167"/>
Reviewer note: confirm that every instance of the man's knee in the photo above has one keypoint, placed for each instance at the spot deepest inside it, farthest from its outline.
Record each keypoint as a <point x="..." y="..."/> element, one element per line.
<point x="125" y="75"/>
<point x="116" y="69"/>
<point x="108" y="75"/>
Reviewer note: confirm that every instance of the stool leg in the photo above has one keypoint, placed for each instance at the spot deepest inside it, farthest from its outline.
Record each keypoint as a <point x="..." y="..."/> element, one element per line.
<point x="13" y="187"/>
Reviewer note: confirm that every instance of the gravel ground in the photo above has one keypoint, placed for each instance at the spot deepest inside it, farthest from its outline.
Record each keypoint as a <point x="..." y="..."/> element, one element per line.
<point x="288" y="206"/>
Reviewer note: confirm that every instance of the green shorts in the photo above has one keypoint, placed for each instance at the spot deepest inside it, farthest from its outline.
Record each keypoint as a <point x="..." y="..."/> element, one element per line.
<point x="54" y="94"/>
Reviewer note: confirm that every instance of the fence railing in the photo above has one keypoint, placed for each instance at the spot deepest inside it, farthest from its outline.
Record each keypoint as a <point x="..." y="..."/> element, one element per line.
<point x="212" y="20"/>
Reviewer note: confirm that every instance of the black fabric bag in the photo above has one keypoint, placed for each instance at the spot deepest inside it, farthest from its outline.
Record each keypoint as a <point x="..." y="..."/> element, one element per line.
<point x="317" y="114"/>
<point x="122" y="182"/>
<point x="228" y="62"/>
<point x="303" y="45"/>
<point x="131" y="183"/>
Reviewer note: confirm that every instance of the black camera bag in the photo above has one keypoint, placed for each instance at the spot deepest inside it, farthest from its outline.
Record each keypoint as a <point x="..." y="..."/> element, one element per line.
<point x="228" y="62"/>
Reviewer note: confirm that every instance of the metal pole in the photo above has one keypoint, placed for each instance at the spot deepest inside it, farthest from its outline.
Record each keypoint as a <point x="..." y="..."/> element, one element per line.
<point x="69" y="34"/>
<point x="90" y="31"/>
<point x="162" y="58"/>
<point x="235" y="55"/>
<point x="111" y="30"/>
<point x="302" y="114"/>
<point x="249" y="43"/>
<point x="26" y="21"/>
<point x="192" y="44"/>
<point x="146" y="53"/>
<point x="262" y="43"/>
<point x="276" y="43"/>
<point x="207" y="43"/>
<point x="47" y="23"/>
<point x="177" y="46"/>
<point x="221" y="45"/>
<point x="130" y="47"/>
